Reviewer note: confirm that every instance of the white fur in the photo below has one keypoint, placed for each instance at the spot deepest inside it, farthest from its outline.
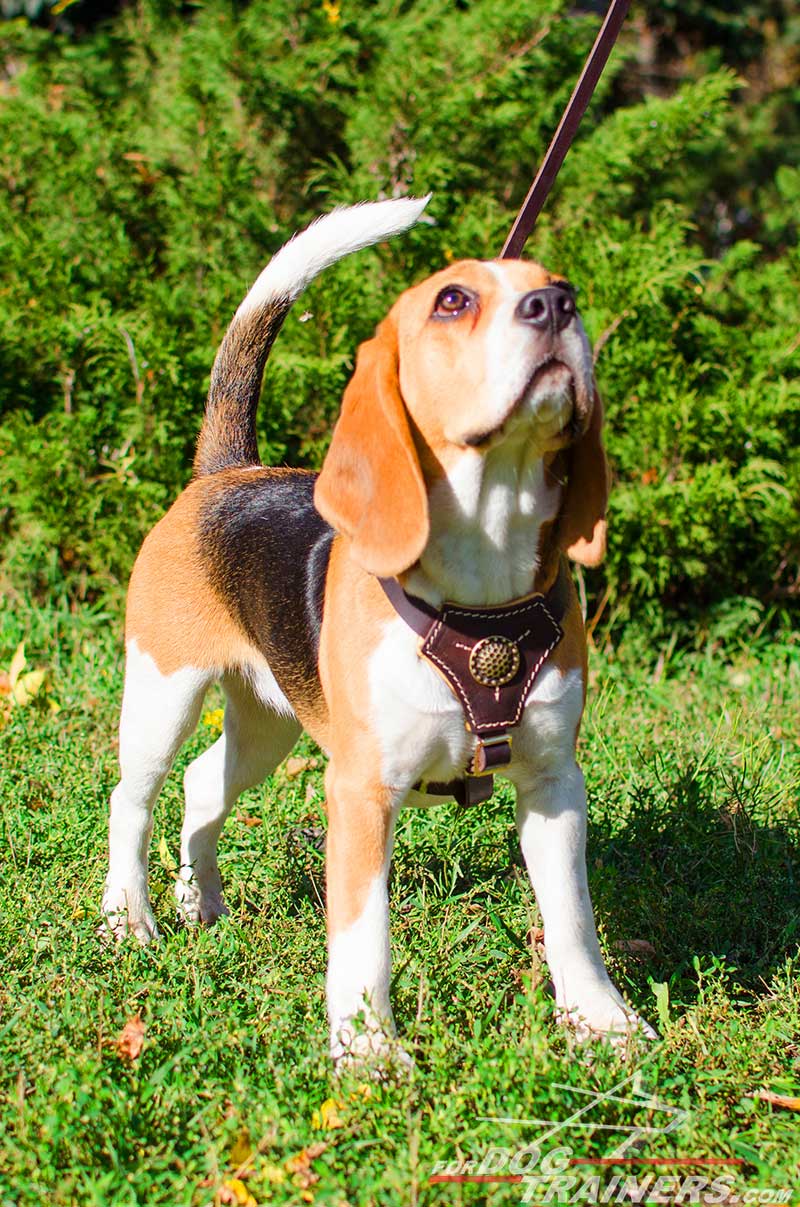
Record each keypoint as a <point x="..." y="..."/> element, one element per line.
<point x="551" y="819"/>
<point x="359" y="966"/>
<point x="258" y="734"/>
<point x="158" y="714"/>
<point x="419" y="721"/>
<point x="544" y="742"/>
<point x="265" y="688"/>
<point x="485" y="517"/>
<point x="327" y="240"/>
<point x="512" y="355"/>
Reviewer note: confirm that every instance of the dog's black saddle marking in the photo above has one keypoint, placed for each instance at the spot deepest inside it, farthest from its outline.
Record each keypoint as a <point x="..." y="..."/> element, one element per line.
<point x="267" y="551"/>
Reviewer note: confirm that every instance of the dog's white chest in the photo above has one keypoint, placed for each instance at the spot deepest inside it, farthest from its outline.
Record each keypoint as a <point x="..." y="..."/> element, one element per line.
<point x="420" y="722"/>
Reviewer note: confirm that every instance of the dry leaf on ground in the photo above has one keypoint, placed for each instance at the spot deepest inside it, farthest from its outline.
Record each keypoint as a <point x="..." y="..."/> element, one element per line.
<point x="640" y="948"/>
<point x="327" y="1118"/>
<point x="299" y="1165"/>
<point x="294" y="766"/>
<point x="247" y="819"/>
<point x="784" y="1100"/>
<point x="131" y="1038"/>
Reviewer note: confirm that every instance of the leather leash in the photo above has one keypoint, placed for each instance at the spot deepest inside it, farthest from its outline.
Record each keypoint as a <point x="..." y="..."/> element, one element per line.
<point x="567" y="129"/>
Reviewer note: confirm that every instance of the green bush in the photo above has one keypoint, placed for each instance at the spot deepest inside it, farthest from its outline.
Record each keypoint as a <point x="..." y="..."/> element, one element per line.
<point x="149" y="168"/>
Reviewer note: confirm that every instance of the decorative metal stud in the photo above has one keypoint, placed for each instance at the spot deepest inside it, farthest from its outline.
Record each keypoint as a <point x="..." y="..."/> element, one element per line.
<point x="494" y="661"/>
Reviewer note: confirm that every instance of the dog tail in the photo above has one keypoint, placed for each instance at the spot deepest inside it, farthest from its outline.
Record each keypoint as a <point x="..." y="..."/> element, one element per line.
<point x="228" y="435"/>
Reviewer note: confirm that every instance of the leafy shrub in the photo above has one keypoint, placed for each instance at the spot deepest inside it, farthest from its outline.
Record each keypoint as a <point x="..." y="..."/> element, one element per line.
<point x="149" y="168"/>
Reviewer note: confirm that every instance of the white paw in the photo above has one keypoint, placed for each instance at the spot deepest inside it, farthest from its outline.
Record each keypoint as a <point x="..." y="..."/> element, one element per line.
<point x="372" y="1051"/>
<point x="199" y="902"/>
<point x="127" y="911"/>
<point x="605" y="1015"/>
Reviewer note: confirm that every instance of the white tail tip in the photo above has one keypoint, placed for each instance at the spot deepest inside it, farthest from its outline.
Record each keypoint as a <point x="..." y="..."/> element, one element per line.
<point x="330" y="238"/>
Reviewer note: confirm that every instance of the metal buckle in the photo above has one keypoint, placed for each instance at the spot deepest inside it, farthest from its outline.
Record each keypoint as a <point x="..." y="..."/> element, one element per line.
<point x="483" y="744"/>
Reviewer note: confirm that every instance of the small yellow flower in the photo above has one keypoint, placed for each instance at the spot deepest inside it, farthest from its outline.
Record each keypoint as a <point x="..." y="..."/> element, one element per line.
<point x="214" y="720"/>
<point x="236" y="1193"/>
<point x="327" y="1118"/>
<point x="18" y="686"/>
<point x="332" y="10"/>
<point x="164" y="856"/>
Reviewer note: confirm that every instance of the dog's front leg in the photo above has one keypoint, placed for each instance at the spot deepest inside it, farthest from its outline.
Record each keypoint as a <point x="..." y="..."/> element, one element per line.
<point x="360" y="831"/>
<point x="551" y="819"/>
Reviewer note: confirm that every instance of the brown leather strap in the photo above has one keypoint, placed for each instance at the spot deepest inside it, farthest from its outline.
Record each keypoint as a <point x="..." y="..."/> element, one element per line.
<point x="567" y="129"/>
<point x="420" y="616"/>
<point x="417" y="613"/>
<point x="469" y="790"/>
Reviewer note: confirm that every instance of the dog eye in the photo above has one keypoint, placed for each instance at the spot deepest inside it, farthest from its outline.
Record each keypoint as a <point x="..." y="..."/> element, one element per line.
<point x="451" y="301"/>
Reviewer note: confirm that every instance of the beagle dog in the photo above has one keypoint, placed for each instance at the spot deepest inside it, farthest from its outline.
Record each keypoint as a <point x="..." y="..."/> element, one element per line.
<point x="466" y="464"/>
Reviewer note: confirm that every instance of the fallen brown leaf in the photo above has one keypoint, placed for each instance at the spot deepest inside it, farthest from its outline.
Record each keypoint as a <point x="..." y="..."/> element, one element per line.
<point x="294" y="766"/>
<point x="131" y="1038"/>
<point x="791" y="1104"/>
<point x="248" y="820"/>
<point x="640" y="948"/>
<point x="300" y="1165"/>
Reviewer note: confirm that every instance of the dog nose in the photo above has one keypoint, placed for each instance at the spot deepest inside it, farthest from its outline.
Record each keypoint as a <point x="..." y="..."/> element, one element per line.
<point x="550" y="309"/>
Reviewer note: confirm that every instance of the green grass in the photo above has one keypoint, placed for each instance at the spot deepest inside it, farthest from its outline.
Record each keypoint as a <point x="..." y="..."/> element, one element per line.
<point x="693" y="770"/>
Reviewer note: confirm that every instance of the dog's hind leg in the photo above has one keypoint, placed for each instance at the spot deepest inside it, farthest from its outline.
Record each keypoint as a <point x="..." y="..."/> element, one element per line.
<point x="255" y="739"/>
<point x="159" y="712"/>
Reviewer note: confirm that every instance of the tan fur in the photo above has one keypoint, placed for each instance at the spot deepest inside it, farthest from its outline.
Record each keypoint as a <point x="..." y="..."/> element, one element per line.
<point x="173" y="613"/>
<point x="583" y="523"/>
<point x="359" y="806"/>
<point x="439" y="364"/>
<point x="371" y="487"/>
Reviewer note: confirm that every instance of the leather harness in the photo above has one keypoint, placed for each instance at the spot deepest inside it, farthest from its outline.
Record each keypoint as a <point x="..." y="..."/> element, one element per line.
<point x="490" y="658"/>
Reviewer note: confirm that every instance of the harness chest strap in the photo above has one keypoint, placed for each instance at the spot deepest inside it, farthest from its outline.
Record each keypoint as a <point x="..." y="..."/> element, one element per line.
<point x="490" y="658"/>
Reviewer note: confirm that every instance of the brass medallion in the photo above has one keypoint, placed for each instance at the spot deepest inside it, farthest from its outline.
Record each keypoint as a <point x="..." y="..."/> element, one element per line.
<point x="494" y="661"/>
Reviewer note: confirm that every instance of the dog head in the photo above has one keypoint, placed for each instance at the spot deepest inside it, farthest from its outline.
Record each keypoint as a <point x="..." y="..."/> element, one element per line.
<point x="480" y="356"/>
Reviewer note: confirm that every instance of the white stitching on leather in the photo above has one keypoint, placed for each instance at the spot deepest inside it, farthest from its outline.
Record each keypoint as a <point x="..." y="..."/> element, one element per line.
<point x="456" y="688"/>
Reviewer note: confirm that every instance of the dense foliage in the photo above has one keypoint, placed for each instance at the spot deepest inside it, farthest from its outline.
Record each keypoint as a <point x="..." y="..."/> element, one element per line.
<point x="150" y="164"/>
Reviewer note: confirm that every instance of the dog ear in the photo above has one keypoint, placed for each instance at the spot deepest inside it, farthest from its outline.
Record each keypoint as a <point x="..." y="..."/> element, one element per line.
<point x="582" y="523"/>
<point x="371" y="487"/>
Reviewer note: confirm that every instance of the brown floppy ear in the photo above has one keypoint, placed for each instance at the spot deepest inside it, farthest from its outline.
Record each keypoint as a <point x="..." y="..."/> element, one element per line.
<point x="371" y="487"/>
<point x="582" y="525"/>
